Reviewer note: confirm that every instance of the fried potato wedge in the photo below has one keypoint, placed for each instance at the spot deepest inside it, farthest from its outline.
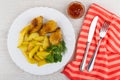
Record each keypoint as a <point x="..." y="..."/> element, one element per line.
<point x="56" y="37"/>
<point x="39" y="38"/>
<point x="36" y="24"/>
<point x="42" y="62"/>
<point x="26" y="37"/>
<point x="23" y="48"/>
<point x="30" y="46"/>
<point x="46" y="42"/>
<point x="33" y="51"/>
<point x="36" y="43"/>
<point x="49" y="26"/>
<point x="30" y="60"/>
<point x="36" y="58"/>
<point x="42" y="54"/>
<point x="41" y="48"/>
<point x="22" y="35"/>
<point x="32" y="36"/>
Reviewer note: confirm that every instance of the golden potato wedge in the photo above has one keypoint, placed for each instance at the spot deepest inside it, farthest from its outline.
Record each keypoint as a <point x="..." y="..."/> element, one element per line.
<point x="22" y="35"/>
<point x="23" y="48"/>
<point x="36" y="58"/>
<point x="49" y="26"/>
<point x="26" y="37"/>
<point x="30" y="46"/>
<point x="36" y="24"/>
<point x="39" y="38"/>
<point x="30" y="60"/>
<point x="41" y="63"/>
<point x="25" y="43"/>
<point x="36" y="43"/>
<point x="33" y="51"/>
<point x="41" y="48"/>
<point x="56" y="37"/>
<point x="46" y="42"/>
<point x="42" y="54"/>
<point x="32" y="36"/>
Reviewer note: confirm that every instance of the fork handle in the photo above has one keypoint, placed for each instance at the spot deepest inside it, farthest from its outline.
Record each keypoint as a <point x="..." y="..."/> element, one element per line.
<point x="82" y="66"/>
<point x="92" y="61"/>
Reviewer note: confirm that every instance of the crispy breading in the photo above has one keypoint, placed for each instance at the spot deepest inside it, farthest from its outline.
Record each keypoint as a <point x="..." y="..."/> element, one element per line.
<point x="49" y="26"/>
<point x="36" y="24"/>
<point x="56" y="37"/>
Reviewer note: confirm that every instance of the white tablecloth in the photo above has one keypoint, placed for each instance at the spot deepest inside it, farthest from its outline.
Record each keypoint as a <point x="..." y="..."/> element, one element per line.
<point x="10" y="9"/>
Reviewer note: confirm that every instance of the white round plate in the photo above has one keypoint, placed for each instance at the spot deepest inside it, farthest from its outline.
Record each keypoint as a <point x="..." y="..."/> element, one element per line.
<point x="23" y="20"/>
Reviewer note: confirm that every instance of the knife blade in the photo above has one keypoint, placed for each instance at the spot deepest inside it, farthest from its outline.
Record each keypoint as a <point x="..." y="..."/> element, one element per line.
<point x="90" y="36"/>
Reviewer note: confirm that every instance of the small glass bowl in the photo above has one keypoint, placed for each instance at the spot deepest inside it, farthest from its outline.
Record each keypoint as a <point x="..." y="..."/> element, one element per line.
<point x="75" y="9"/>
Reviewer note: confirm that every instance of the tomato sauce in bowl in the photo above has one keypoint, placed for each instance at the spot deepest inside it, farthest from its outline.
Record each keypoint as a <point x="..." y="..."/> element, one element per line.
<point x="75" y="9"/>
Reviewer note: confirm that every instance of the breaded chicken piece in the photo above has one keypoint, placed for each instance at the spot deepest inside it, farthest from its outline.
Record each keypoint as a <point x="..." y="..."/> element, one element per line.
<point x="48" y="27"/>
<point x="56" y="37"/>
<point x="36" y="24"/>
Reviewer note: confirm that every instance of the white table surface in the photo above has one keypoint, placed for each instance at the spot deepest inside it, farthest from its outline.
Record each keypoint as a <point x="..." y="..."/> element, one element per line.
<point x="10" y="9"/>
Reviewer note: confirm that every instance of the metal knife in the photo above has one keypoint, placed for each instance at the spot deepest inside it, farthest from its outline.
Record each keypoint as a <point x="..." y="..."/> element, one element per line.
<point x="90" y="36"/>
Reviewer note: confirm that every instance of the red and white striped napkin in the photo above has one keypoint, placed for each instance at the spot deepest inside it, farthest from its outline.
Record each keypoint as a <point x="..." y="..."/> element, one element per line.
<point x="107" y="63"/>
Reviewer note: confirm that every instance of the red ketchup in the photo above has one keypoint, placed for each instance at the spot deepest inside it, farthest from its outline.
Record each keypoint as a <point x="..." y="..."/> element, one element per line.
<point x="75" y="10"/>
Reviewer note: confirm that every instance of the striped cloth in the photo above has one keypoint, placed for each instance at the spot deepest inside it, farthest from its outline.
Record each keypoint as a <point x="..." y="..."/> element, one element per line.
<point x="107" y="63"/>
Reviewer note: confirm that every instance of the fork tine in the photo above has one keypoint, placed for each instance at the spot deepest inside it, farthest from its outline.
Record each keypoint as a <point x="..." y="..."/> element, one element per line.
<point x="105" y="26"/>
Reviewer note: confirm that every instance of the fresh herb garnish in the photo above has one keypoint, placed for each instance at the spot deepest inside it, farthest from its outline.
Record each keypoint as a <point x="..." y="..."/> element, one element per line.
<point x="50" y="58"/>
<point x="55" y="52"/>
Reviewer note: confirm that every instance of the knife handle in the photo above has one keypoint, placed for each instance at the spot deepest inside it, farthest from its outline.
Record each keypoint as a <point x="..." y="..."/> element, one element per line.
<point x="82" y="66"/>
<point x="92" y="61"/>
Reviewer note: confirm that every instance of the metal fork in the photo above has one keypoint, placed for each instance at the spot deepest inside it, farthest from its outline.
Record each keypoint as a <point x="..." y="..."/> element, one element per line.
<point x="103" y="32"/>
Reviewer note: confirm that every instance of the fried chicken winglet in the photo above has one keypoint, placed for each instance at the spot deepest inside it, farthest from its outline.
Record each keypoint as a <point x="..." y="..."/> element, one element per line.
<point x="56" y="37"/>
<point x="36" y="24"/>
<point x="49" y="26"/>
